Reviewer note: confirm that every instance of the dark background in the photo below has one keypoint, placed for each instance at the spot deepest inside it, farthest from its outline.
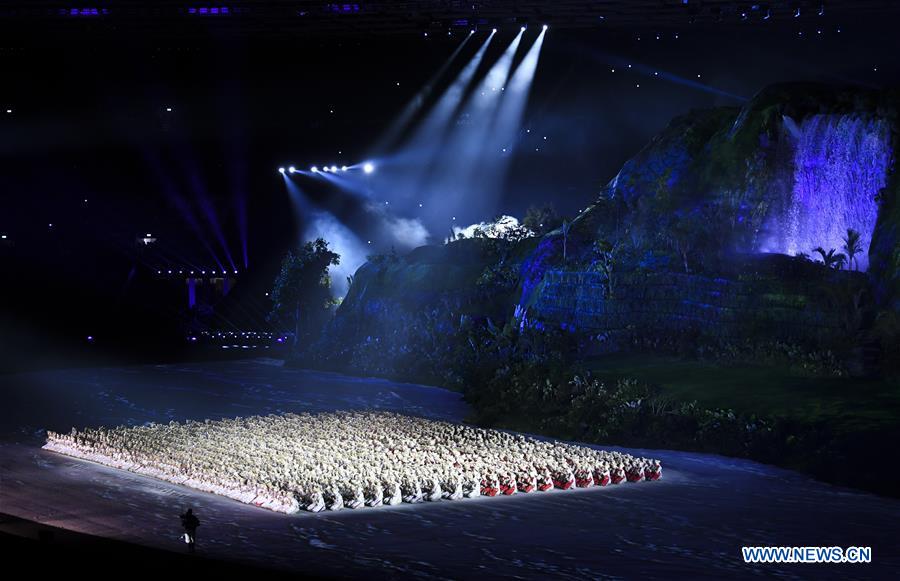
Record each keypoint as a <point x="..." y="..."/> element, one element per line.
<point x="90" y="148"/>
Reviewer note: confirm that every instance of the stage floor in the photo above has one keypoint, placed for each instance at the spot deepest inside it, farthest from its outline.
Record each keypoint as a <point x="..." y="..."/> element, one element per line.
<point x="692" y="523"/>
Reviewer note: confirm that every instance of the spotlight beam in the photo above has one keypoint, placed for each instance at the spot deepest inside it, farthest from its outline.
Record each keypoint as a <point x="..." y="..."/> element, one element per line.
<point x="441" y="114"/>
<point x="508" y="121"/>
<point x="464" y="151"/>
<point x="401" y="123"/>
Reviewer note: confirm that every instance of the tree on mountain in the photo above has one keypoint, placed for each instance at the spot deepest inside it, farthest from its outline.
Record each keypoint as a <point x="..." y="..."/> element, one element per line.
<point x="604" y="261"/>
<point x="830" y="259"/>
<point x="852" y="247"/>
<point x="302" y="289"/>
<point x="542" y="219"/>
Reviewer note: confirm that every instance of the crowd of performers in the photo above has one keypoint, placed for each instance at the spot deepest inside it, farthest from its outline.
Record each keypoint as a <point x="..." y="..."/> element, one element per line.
<point x="349" y="459"/>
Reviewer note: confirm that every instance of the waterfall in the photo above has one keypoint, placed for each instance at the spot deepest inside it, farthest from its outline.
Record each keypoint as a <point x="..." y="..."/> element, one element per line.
<point x="840" y="163"/>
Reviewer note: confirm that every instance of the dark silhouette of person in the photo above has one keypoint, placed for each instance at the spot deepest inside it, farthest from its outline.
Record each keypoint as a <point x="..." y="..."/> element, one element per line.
<point x="190" y="524"/>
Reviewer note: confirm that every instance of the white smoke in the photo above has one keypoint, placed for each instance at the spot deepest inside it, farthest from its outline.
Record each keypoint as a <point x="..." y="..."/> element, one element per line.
<point x="341" y="240"/>
<point x="403" y="233"/>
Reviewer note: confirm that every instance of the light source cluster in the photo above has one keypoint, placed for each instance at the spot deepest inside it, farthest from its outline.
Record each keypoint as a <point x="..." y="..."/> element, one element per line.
<point x="366" y="167"/>
<point x="195" y="272"/>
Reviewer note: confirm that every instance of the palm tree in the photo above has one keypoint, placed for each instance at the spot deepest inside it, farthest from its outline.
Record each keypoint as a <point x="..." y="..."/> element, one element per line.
<point x="830" y="259"/>
<point x="852" y="246"/>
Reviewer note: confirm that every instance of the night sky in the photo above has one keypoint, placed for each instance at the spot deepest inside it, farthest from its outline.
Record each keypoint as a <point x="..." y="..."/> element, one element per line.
<point x="107" y="140"/>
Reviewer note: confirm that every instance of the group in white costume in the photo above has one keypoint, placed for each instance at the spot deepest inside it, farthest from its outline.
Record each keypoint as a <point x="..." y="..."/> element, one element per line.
<point x="348" y="459"/>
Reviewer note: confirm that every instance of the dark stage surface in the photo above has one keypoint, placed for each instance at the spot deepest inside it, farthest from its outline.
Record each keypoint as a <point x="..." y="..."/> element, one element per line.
<point x="691" y="524"/>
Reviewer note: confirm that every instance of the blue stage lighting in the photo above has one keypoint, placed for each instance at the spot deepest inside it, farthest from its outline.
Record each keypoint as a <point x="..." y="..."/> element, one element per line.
<point x="281" y="170"/>
<point x="343" y="168"/>
<point x="368" y="167"/>
<point x="545" y="27"/>
<point x="325" y="168"/>
<point x="292" y="169"/>
<point x="334" y="169"/>
<point x="314" y="169"/>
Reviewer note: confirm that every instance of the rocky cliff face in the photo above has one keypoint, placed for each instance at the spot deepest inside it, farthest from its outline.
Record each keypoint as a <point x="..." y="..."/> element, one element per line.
<point x="695" y="229"/>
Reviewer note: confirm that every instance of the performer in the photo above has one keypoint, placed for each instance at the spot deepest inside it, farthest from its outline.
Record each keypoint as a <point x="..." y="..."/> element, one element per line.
<point x="190" y="523"/>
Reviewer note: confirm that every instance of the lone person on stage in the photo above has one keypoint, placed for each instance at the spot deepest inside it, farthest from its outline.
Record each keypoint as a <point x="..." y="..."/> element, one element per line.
<point x="190" y="524"/>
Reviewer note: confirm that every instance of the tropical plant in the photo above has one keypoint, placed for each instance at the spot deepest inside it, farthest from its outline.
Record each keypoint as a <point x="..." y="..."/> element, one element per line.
<point x="604" y="258"/>
<point x="302" y="289"/>
<point x="832" y="258"/>
<point x="541" y="220"/>
<point x="852" y="246"/>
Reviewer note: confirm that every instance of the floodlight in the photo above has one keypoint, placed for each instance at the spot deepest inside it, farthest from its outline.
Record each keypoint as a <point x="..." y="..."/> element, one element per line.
<point x="368" y="167"/>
